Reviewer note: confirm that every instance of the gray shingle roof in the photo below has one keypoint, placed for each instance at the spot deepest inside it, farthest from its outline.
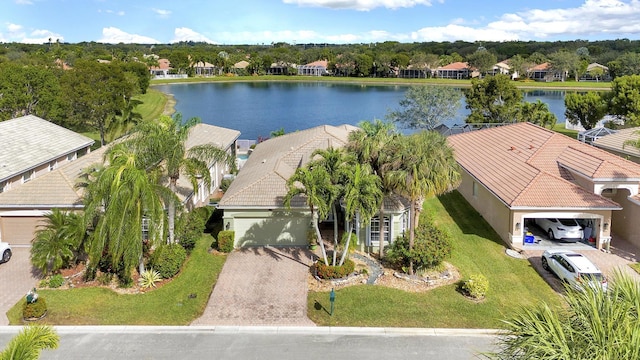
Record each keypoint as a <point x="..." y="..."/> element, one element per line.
<point x="30" y="141"/>
<point x="262" y="181"/>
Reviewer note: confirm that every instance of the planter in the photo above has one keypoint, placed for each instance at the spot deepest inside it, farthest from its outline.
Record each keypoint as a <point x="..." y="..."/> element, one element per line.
<point x="36" y="319"/>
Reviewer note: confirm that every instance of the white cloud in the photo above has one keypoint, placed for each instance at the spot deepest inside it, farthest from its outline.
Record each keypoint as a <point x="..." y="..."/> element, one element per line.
<point x="456" y="32"/>
<point x="119" y="13"/>
<point x="112" y="35"/>
<point x="186" y="34"/>
<point x="592" y="17"/>
<point x="361" y="5"/>
<point x="41" y="37"/>
<point x="24" y="2"/>
<point x="162" y="13"/>
<point x="14" y="28"/>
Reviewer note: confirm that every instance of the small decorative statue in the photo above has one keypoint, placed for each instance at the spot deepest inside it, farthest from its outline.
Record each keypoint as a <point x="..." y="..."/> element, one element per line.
<point x="32" y="296"/>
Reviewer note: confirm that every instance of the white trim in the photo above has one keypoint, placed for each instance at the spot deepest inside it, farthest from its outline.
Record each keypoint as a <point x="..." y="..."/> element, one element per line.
<point x="19" y="213"/>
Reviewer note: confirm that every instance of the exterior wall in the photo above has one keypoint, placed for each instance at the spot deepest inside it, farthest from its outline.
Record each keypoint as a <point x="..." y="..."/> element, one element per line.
<point x="18" y="227"/>
<point x="625" y="222"/>
<point x="396" y="227"/>
<point x="263" y="227"/>
<point x="494" y="211"/>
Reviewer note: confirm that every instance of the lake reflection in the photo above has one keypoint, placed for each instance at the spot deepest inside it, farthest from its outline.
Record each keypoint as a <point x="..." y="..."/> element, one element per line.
<point x="258" y="108"/>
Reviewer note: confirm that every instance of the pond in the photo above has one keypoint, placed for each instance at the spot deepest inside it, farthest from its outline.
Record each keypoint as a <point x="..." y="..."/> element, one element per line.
<point x="258" y="108"/>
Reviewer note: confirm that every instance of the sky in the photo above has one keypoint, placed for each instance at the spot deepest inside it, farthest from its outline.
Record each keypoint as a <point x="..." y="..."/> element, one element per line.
<point x="228" y="22"/>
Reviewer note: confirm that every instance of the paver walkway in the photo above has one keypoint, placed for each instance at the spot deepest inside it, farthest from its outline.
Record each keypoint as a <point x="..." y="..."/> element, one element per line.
<point x="261" y="286"/>
<point x="17" y="277"/>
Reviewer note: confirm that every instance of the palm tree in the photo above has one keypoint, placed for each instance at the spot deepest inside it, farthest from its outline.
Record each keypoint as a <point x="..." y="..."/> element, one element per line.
<point x="362" y="198"/>
<point x="119" y="197"/>
<point x="596" y="324"/>
<point x="334" y="162"/>
<point x="423" y="166"/>
<point x="370" y="146"/>
<point x="55" y="243"/>
<point x="29" y="342"/>
<point x="314" y="183"/>
<point x="162" y="145"/>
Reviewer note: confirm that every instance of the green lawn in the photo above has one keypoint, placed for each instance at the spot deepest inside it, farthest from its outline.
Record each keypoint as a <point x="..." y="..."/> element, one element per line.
<point x="388" y="81"/>
<point x="153" y="104"/>
<point x="562" y="130"/>
<point x="476" y="249"/>
<point x="170" y="304"/>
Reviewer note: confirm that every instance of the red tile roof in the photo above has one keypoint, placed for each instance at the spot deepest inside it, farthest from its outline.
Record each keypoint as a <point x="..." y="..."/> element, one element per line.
<point x="525" y="165"/>
<point x="455" y="66"/>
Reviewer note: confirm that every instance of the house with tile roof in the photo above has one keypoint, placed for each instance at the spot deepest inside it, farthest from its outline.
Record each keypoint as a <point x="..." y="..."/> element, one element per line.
<point x="23" y="209"/>
<point x="316" y="68"/>
<point x="514" y="173"/>
<point x="615" y="143"/>
<point x="456" y="70"/>
<point x="253" y="204"/>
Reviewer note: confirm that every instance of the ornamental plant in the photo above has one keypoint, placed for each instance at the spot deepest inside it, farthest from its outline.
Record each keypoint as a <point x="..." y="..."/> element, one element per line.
<point x="149" y="278"/>
<point x="476" y="286"/>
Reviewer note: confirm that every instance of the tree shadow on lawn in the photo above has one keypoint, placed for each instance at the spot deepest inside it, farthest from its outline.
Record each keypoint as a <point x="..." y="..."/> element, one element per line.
<point x="468" y="220"/>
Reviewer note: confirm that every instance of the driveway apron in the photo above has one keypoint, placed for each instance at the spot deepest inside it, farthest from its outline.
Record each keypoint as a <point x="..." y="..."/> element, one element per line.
<point x="17" y="277"/>
<point x="261" y="286"/>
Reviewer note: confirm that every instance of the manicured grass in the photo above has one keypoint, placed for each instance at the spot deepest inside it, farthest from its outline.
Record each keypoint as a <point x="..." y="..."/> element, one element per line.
<point x="171" y="304"/>
<point x="476" y="249"/>
<point x="564" y="131"/>
<point x="388" y="81"/>
<point x="153" y="104"/>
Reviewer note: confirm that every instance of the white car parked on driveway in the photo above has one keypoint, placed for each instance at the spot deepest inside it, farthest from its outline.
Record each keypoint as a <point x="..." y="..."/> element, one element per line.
<point x="573" y="268"/>
<point x="5" y="252"/>
<point x="561" y="229"/>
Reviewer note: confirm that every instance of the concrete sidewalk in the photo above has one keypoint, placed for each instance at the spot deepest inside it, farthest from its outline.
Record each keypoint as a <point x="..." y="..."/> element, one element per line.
<point x="261" y="286"/>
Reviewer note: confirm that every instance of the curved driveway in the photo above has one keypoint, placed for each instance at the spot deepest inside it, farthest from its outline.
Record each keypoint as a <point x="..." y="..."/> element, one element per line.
<point x="261" y="286"/>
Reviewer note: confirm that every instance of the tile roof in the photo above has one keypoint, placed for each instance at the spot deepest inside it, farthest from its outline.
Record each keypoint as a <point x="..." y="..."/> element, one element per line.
<point x="30" y="141"/>
<point x="615" y="142"/>
<point x="262" y="181"/>
<point x="525" y="165"/>
<point x="455" y="66"/>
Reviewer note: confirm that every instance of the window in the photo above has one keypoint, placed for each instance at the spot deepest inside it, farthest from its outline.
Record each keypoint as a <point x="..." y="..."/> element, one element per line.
<point x="27" y="176"/>
<point x="53" y="165"/>
<point x="71" y="156"/>
<point x="145" y="228"/>
<point x="475" y="189"/>
<point x="3" y="187"/>
<point x="375" y="229"/>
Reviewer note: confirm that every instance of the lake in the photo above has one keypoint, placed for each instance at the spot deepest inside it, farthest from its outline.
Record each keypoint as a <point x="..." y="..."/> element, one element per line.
<point x="258" y="108"/>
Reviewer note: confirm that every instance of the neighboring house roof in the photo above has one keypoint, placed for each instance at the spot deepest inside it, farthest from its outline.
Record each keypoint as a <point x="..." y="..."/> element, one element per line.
<point x="541" y="67"/>
<point x="241" y="64"/>
<point x="163" y="64"/>
<point x="455" y="66"/>
<point x="596" y="65"/>
<point x="57" y="188"/>
<point x="54" y="189"/>
<point x="321" y="63"/>
<point x="615" y="142"/>
<point x="527" y="166"/>
<point x="201" y="64"/>
<point x="262" y="182"/>
<point x="29" y="141"/>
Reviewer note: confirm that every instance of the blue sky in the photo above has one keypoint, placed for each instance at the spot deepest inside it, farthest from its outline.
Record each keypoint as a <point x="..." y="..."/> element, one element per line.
<point x="316" y="21"/>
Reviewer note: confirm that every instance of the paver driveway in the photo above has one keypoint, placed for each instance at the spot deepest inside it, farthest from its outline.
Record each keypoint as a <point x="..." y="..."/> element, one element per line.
<point x="261" y="286"/>
<point x="16" y="278"/>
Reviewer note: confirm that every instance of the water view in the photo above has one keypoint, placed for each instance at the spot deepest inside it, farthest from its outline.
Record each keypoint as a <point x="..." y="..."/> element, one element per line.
<point x="258" y="108"/>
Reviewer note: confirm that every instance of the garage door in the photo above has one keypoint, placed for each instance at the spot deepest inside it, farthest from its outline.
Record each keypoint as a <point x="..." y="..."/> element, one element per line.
<point x="19" y="230"/>
<point x="275" y="231"/>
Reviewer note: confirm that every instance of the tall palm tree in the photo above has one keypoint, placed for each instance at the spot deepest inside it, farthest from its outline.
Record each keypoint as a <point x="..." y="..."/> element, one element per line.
<point x="119" y="197"/>
<point x="162" y="145"/>
<point x="29" y="342"/>
<point x="334" y="161"/>
<point x="423" y="166"/>
<point x="314" y="183"/>
<point x="362" y="198"/>
<point x="369" y="144"/>
<point x="56" y="242"/>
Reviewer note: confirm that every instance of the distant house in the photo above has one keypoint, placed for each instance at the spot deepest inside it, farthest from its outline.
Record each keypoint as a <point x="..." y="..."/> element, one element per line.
<point x="518" y="172"/>
<point x="415" y="72"/>
<point x="596" y="72"/>
<point x="203" y="68"/>
<point x="279" y="68"/>
<point x="316" y="68"/>
<point x="162" y="69"/>
<point x="23" y="208"/>
<point x="501" y="68"/>
<point x="544" y="72"/>
<point x="456" y="70"/>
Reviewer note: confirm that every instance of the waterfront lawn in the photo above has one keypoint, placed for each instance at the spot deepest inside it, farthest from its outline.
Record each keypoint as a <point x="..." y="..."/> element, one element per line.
<point x="172" y="304"/>
<point x="153" y="104"/>
<point x="560" y="127"/>
<point x="513" y="283"/>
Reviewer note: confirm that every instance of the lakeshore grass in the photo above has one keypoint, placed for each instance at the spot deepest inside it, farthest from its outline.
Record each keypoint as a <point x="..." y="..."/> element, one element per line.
<point x="477" y="249"/>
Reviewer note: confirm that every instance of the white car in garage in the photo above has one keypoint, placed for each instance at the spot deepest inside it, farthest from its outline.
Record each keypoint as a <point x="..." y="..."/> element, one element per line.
<point x="5" y="252"/>
<point x="573" y="268"/>
<point x="561" y="229"/>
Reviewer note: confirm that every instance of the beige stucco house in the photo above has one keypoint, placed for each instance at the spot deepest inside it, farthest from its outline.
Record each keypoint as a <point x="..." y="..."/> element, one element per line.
<point x="518" y="172"/>
<point x="253" y="204"/>
<point x="23" y="208"/>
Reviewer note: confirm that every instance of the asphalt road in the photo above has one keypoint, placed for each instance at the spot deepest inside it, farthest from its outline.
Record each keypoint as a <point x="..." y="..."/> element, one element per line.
<point x="282" y="343"/>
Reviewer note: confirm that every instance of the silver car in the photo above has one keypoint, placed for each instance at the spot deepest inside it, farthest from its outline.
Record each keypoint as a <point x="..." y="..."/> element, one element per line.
<point x="5" y="252"/>
<point x="561" y="229"/>
<point x="573" y="268"/>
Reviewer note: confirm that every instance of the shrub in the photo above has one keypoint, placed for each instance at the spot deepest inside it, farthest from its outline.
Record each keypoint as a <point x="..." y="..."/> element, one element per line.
<point x="431" y="246"/>
<point x="334" y="272"/>
<point x="56" y="281"/>
<point x="168" y="259"/>
<point x="190" y="227"/>
<point x="34" y="310"/>
<point x="149" y="278"/>
<point x="353" y="243"/>
<point x="225" y="183"/>
<point x="105" y="278"/>
<point x="226" y="240"/>
<point x="476" y="286"/>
